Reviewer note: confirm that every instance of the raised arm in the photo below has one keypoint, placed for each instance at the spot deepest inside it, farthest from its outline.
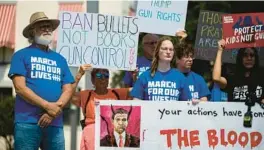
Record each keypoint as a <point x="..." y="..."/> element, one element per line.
<point x="181" y="34"/>
<point x="76" y="95"/>
<point x="217" y="66"/>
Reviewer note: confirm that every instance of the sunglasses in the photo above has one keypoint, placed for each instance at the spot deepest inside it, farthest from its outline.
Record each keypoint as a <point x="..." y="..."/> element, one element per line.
<point x="249" y="54"/>
<point x="100" y="75"/>
<point x="44" y="27"/>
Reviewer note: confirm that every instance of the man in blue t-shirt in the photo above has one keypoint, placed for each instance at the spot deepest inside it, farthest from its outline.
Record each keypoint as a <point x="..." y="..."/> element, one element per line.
<point x="196" y="83"/>
<point x="143" y="62"/>
<point x="42" y="81"/>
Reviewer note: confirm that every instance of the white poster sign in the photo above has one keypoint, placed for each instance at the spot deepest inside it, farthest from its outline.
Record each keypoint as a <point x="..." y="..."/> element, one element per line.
<point x="162" y="16"/>
<point x="177" y="125"/>
<point x="104" y="41"/>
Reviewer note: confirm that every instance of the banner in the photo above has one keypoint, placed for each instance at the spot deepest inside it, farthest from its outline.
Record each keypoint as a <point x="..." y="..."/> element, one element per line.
<point x="174" y="125"/>
<point x="162" y="17"/>
<point x="104" y="41"/>
<point x="243" y="30"/>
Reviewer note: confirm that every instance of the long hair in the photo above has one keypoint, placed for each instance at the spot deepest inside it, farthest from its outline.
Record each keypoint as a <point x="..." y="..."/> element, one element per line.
<point x="240" y="68"/>
<point x="155" y="60"/>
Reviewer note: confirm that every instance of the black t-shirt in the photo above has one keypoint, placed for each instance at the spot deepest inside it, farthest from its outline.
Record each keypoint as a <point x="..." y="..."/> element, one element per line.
<point x="238" y="87"/>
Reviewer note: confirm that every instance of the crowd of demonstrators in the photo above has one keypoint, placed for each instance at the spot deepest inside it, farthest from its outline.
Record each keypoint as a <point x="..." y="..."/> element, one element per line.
<point x="245" y="82"/>
<point x="42" y="82"/>
<point x="86" y="99"/>
<point x="38" y="111"/>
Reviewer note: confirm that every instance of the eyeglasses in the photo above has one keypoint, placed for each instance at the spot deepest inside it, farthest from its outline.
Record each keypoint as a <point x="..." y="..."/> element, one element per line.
<point x="249" y="55"/>
<point x="100" y="75"/>
<point x="150" y="43"/>
<point x="189" y="56"/>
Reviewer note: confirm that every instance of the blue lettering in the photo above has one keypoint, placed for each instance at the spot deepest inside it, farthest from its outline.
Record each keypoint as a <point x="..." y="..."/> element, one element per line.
<point x="145" y="13"/>
<point x="169" y="16"/>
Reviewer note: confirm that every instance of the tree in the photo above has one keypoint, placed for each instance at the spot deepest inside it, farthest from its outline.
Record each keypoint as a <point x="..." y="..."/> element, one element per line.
<point x="7" y="120"/>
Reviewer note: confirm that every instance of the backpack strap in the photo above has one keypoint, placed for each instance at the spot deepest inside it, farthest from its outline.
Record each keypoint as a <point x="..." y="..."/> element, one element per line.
<point x="116" y="94"/>
<point x="87" y="100"/>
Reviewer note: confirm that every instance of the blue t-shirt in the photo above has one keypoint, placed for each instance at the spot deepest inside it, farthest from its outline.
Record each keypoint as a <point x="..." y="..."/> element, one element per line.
<point x="45" y="73"/>
<point x="143" y="64"/>
<point x="164" y="86"/>
<point x="197" y="86"/>
<point x="217" y="95"/>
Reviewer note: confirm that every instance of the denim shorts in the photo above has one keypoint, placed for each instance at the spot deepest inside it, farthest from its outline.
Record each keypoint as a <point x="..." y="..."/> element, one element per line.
<point x="29" y="136"/>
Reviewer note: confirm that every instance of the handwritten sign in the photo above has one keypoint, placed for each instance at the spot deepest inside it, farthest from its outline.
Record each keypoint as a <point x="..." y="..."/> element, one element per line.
<point x="104" y="41"/>
<point x="180" y="125"/>
<point x="209" y="31"/>
<point x="243" y="30"/>
<point x="162" y="16"/>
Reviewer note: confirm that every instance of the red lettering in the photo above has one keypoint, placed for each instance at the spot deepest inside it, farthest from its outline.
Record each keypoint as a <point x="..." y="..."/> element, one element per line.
<point x="183" y="138"/>
<point x="212" y="138"/>
<point x="169" y="133"/>
<point x="223" y="141"/>
<point x="229" y="137"/>
<point x="255" y="139"/>
<point x="240" y="141"/>
<point x="194" y="138"/>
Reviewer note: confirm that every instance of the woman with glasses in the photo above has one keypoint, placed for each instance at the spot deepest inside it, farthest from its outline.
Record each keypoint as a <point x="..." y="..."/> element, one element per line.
<point x="246" y="80"/>
<point x="196" y="83"/>
<point x="161" y="82"/>
<point x="86" y="100"/>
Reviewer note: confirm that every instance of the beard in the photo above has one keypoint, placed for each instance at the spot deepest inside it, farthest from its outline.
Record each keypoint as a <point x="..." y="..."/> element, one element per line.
<point x="44" y="39"/>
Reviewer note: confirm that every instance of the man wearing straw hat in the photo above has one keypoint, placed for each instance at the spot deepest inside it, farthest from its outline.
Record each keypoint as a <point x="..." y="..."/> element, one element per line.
<point x="42" y="81"/>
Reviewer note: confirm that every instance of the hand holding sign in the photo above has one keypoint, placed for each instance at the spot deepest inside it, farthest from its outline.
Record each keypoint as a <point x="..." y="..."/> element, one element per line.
<point x="221" y="44"/>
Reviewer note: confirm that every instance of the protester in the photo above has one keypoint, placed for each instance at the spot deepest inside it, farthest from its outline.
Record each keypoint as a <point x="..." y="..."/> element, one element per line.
<point x="161" y="82"/>
<point x="245" y="80"/>
<point x="42" y="81"/>
<point x="196" y="83"/>
<point x="143" y="62"/>
<point x="86" y="100"/>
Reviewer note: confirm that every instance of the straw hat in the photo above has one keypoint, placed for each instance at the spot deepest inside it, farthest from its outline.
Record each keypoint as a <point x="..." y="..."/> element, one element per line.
<point x="38" y="17"/>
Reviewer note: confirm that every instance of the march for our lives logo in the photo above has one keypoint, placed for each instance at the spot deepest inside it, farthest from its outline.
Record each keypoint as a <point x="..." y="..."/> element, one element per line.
<point x="163" y="90"/>
<point x="44" y="68"/>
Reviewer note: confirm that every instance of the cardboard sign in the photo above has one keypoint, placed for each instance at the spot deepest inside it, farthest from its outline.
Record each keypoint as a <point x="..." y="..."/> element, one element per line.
<point x="104" y="41"/>
<point x="162" y="17"/>
<point x="179" y="125"/>
<point x="243" y="30"/>
<point x="209" y="31"/>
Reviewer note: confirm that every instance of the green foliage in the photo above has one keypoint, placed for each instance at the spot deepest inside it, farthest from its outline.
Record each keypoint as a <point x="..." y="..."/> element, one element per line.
<point x="7" y="120"/>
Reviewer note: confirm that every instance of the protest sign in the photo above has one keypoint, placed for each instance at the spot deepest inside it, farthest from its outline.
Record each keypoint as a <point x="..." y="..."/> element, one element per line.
<point x="209" y="31"/>
<point x="243" y="30"/>
<point x="162" y="17"/>
<point x="104" y="41"/>
<point x="180" y="125"/>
